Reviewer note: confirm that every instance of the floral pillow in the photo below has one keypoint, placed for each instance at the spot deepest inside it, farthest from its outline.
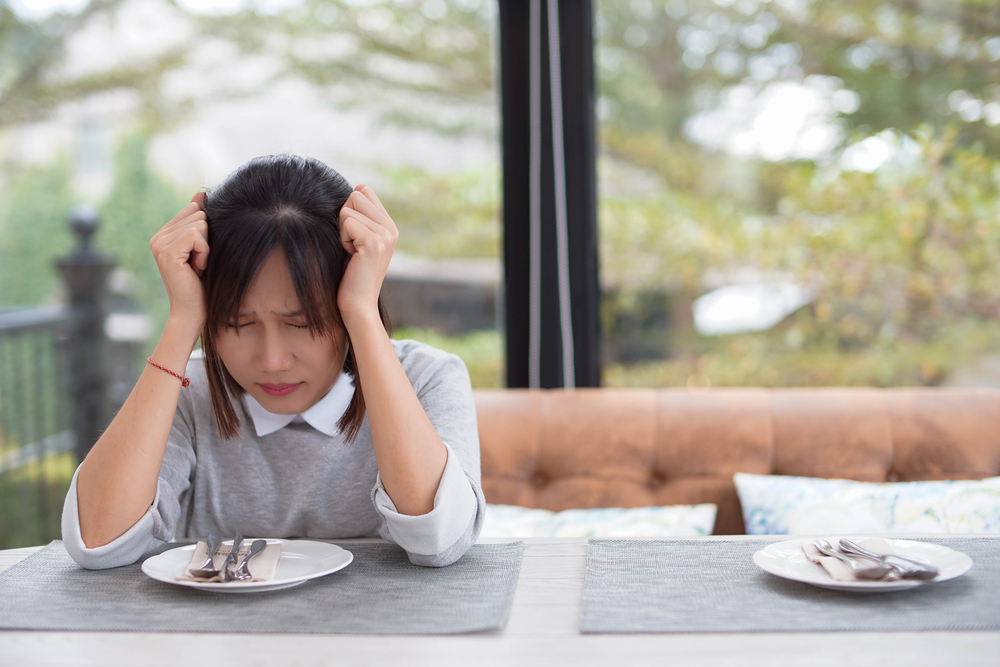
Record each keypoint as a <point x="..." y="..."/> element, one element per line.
<point x="670" y="521"/>
<point x="780" y="505"/>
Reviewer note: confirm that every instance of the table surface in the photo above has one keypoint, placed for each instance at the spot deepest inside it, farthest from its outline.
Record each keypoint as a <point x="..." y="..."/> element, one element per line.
<point x="542" y="630"/>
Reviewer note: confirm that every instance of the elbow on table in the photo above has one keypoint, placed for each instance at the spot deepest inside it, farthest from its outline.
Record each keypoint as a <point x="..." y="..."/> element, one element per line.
<point x="103" y="556"/>
<point x="444" y="556"/>
<point x="438" y="560"/>
<point x="91" y="541"/>
<point x="97" y="551"/>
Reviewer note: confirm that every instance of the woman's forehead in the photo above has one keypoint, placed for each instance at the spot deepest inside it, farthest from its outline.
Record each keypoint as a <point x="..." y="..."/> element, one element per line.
<point x="272" y="288"/>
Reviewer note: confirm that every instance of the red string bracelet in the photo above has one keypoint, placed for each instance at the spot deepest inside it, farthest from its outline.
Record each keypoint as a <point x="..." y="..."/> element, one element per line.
<point x="184" y="381"/>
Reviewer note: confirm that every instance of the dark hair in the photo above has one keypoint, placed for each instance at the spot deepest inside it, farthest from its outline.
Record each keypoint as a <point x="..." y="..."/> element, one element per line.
<point x="286" y="203"/>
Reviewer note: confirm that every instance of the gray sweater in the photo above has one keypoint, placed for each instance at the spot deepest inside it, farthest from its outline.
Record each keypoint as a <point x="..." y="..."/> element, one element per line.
<point x="300" y="483"/>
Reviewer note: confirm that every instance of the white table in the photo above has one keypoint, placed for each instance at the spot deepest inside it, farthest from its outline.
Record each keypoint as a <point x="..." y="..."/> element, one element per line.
<point x="542" y="630"/>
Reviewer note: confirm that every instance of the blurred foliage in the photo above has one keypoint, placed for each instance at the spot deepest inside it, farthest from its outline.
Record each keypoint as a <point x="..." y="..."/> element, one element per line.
<point x="899" y="261"/>
<point x="482" y="352"/>
<point x="778" y="358"/>
<point x="444" y="215"/>
<point x="911" y="245"/>
<point x="33" y="233"/>
<point x="661" y="62"/>
<point x="418" y="64"/>
<point x="31" y="499"/>
<point x="139" y="203"/>
<point x="36" y="79"/>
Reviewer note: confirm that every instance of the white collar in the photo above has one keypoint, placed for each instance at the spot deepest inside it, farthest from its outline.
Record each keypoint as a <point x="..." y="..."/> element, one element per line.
<point x="322" y="416"/>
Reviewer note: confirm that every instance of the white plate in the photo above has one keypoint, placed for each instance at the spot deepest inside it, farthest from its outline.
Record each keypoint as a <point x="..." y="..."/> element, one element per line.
<point x="300" y="561"/>
<point x="786" y="559"/>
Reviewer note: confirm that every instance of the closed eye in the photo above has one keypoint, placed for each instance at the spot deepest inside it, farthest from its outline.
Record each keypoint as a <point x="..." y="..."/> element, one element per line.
<point x="236" y="326"/>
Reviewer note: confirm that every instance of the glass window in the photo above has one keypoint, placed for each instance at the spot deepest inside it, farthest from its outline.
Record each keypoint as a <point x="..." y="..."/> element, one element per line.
<point x="795" y="192"/>
<point x="134" y="106"/>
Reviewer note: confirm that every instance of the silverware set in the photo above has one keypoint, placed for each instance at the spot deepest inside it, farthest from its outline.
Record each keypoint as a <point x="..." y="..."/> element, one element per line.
<point x="874" y="566"/>
<point x="229" y="571"/>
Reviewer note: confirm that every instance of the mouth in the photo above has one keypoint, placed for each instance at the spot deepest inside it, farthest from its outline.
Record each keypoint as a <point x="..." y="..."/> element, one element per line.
<point x="279" y="388"/>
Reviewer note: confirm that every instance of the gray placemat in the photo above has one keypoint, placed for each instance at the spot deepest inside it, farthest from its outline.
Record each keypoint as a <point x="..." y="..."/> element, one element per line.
<point x="381" y="592"/>
<point x="714" y="586"/>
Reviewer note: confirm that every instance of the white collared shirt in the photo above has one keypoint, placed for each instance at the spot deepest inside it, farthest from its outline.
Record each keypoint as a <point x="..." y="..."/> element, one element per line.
<point x="322" y="416"/>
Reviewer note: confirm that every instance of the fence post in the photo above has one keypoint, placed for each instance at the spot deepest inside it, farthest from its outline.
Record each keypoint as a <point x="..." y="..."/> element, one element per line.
<point x="85" y="272"/>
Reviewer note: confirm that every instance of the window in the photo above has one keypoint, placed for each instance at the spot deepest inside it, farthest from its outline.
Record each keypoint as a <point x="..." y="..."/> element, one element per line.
<point x="798" y="192"/>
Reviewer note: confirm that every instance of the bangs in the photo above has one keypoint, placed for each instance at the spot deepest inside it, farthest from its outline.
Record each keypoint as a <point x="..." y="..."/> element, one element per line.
<point x="312" y="252"/>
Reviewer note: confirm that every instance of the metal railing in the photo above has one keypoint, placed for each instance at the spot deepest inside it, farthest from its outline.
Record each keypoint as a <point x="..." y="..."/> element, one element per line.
<point x="57" y="368"/>
<point x="35" y="423"/>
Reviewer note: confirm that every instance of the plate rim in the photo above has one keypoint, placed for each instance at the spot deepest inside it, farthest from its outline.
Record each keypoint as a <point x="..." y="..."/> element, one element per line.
<point x="858" y="586"/>
<point x="250" y="586"/>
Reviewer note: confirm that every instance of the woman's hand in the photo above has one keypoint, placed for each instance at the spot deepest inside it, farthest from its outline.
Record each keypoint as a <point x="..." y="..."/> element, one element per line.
<point x="181" y="252"/>
<point x="369" y="236"/>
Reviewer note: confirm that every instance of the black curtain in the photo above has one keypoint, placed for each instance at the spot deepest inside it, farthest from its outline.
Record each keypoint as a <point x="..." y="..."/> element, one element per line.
<point x="549" y="194"/>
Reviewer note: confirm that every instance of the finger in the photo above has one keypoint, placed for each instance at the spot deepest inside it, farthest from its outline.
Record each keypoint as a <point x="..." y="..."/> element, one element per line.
<point x="348" y="232"/>
<point x="190" y="248"/>
<point x="372" y="197"/>
<point x="199" y="254"/>
<point x="357" y="231"/>
<point x="363" y="225"/>
<point x="191" y="208"/>
<point x="351" y="227"/>
<point x="174" y="232"/>
<point x="199" y="199"/>
<point x="361" y="203"/>
<point x="169" y="230"/>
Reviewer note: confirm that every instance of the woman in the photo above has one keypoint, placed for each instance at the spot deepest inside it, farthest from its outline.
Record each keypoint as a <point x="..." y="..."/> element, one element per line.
<point x="303" y="418"/>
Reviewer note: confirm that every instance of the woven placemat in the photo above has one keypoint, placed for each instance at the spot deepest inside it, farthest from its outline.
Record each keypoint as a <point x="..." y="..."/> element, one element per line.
<point x="381" y="592"/>
<point x="714" y="586"/>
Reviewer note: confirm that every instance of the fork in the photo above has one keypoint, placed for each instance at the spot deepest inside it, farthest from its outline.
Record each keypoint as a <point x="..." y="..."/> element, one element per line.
<point x="908" y="568"/>
<point x="227" y="571"/>
<point x="874" y="572"/>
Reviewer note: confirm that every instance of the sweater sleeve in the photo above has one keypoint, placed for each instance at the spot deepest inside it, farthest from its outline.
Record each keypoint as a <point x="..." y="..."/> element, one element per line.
<point x="444" y="534"/>
<point x="159" y="522"/>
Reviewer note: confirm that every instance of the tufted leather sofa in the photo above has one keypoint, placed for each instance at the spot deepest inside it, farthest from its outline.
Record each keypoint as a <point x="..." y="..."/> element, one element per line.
<point x="587" y="448"/>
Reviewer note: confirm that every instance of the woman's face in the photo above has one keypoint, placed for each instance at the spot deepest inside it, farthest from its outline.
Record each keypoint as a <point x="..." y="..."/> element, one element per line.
<point x="271" y="353"/>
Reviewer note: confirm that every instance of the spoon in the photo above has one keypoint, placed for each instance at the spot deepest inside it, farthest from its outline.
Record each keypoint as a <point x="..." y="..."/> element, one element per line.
<point x="243" y="571"/>
<point x="857" y="569"/>
<point x="208" y="570"/>
<point x="908" y="568"/>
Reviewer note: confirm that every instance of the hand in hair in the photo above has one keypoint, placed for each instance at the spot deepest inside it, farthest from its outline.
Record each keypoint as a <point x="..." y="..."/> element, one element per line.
<point x="369" y="235"/>
<point x="181" y="252"/>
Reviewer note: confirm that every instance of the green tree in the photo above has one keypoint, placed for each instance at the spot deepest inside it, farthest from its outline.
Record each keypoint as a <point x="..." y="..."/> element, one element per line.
<point x="444" y="215"/>
<point x="34" y="82"/>
<point x="34" y="233"/>
<point x="139" y="203"/>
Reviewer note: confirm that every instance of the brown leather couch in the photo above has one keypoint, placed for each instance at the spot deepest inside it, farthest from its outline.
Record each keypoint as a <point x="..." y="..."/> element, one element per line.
<point x="587" y="448"/>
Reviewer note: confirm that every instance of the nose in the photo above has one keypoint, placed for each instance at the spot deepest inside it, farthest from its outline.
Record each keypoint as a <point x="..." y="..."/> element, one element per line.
<point x="274" y="355"/>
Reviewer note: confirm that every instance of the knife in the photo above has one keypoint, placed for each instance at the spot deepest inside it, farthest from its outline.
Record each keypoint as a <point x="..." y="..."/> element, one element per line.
<point x="908" y="568"/>
<point x="233" y="557"/>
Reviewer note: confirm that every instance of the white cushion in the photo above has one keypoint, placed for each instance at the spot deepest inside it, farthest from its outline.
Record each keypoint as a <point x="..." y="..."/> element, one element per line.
<point x="780" y="505"/>
<point x="670" y="521"/>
